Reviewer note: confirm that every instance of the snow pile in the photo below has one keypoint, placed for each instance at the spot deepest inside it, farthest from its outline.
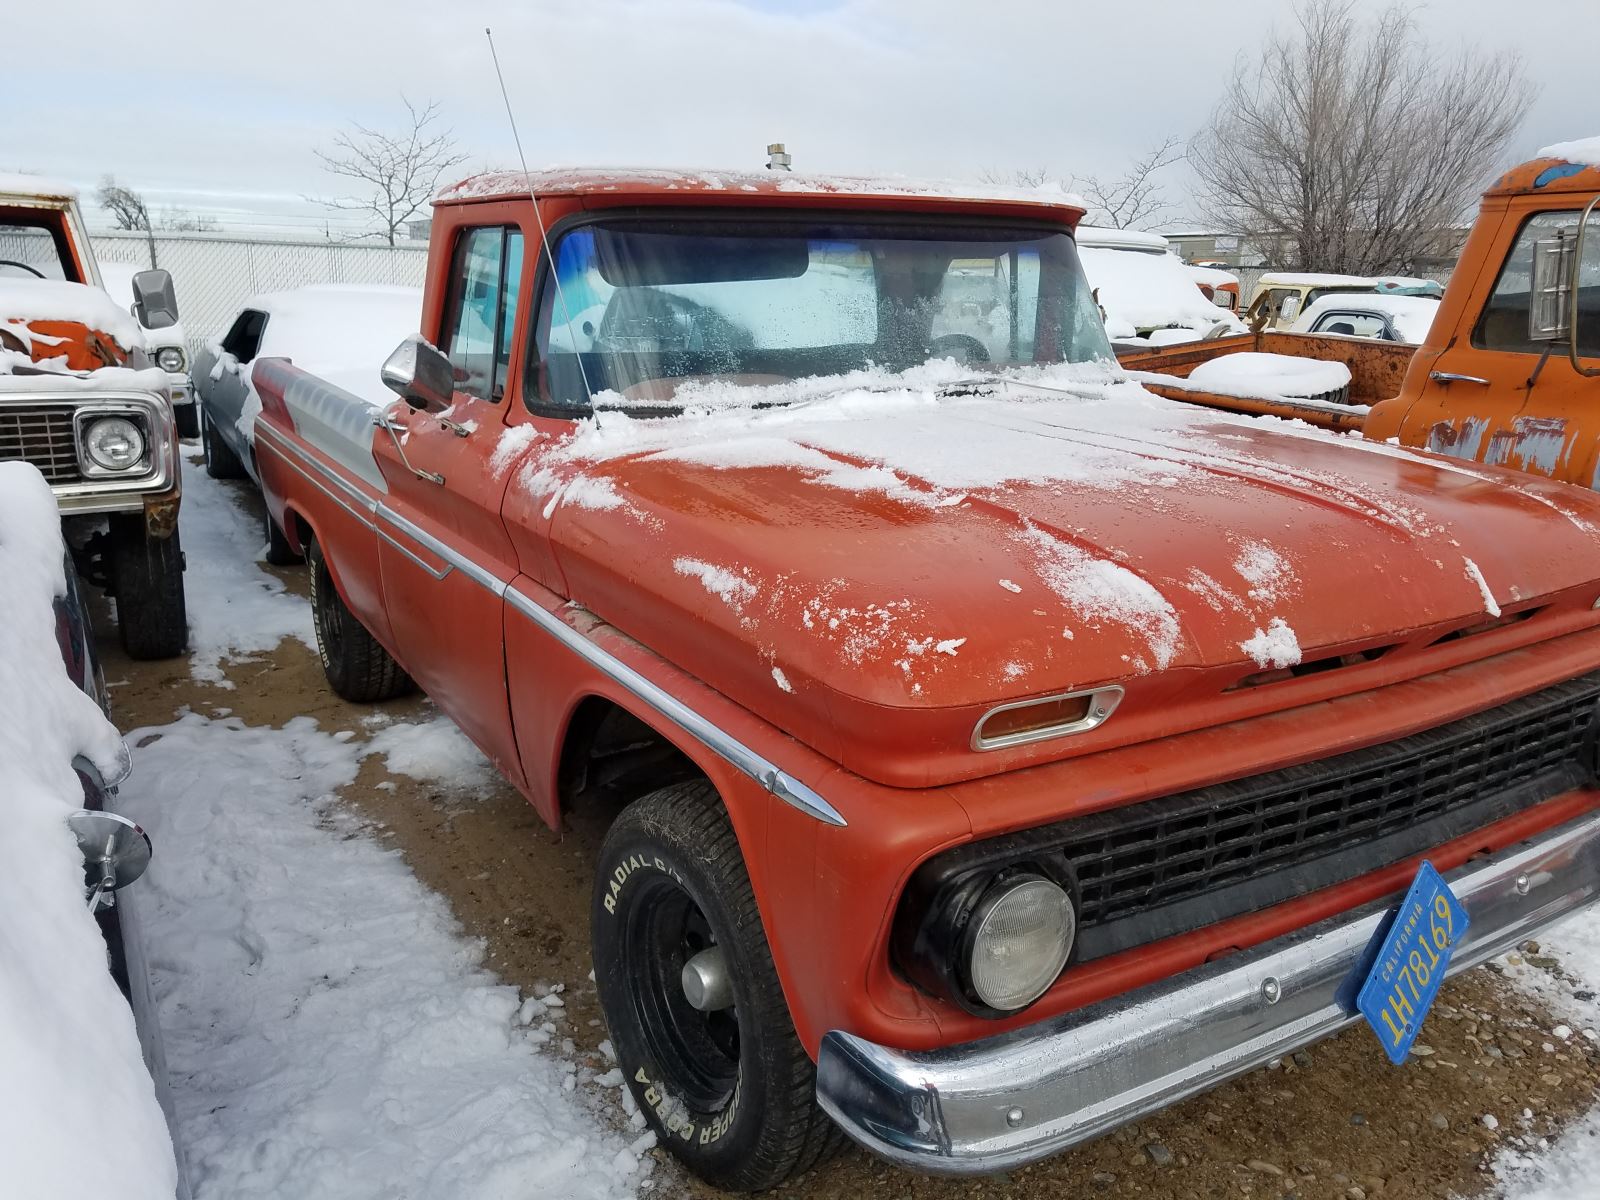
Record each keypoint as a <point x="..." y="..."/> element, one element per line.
<point x="719" y="581"/>
<point x="1490" y="606"/>
<point x="235" y="610"/>
<point x="80" y="1116"/>
<point x="20" y="373"/>
<point x="1275" y="646"/>
<point x="436" y="751"/>
<point x="30" y="299"/>
<point x="331" y="1035"/>
<point x="1249" y="373"/>
<point x="1585" y="151"/>
<point x="1141" y="291"/>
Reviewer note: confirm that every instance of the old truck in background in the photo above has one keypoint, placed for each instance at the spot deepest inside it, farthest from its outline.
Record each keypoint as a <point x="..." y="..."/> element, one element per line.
<point x="1508" y="372"/>
<point x="994" y="752"/>
<point x="81" y="400"/>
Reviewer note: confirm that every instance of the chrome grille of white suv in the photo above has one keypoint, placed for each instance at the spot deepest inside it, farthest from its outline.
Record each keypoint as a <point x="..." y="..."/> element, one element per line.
<point x="42" y="435"/>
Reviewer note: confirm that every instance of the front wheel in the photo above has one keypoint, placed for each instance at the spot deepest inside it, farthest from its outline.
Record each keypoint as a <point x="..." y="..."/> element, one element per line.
<point x="221" y="461"/>
<point x="692" y="999"/>
<point x="146" y="576"/>
<point x="357" y="666"/>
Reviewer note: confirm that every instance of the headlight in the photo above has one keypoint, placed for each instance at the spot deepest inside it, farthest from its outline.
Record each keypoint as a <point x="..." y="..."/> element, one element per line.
<point x="1018" y="941"/>
<point x="169" y="358"/>
<point x="113" y="443"/>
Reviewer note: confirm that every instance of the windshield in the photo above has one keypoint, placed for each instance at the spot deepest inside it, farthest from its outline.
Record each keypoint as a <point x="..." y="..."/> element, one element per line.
<point x="645" y="306"/>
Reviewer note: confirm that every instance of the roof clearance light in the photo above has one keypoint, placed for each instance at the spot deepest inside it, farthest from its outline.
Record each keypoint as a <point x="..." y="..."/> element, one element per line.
<point x="1049" y="717"/>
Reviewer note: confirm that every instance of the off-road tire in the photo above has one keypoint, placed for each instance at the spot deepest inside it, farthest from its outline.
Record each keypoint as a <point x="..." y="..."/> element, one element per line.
<point x="186" y="419"/>
<point x="356" y="664"/>
<point x="279" y="552"/>
<point x="146" y="577"/>
<point x="674" y="850"/>
<point x="221" y="461"/>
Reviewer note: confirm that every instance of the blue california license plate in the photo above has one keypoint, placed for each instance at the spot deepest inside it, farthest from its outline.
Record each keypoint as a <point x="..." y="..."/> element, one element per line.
<point x="1427" y="927"/>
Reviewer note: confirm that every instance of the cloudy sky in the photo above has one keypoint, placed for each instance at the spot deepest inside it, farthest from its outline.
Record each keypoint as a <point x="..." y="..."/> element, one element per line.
<point x="216" y="106"/>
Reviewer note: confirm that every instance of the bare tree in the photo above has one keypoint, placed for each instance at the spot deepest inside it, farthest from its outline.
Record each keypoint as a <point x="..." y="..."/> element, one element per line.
<point x="399" y="171"/>
<point x="1134" y="198"/>
<point x="1028" y="177"/>
<point x="1354" y="144"/>
<point x="181" y="220"/>
<point x="127" y="209"/>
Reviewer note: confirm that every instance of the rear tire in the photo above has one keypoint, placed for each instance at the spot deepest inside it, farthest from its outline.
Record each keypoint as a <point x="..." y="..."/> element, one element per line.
<point x="221" y="461"/>
<point x="279" y="552"/>
<point x="357" y="666"/>
<point x="146" y="576"/>
<point x="732" y="1092"/>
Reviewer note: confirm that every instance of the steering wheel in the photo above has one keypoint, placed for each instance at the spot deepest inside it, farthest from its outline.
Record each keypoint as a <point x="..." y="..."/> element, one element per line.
<point x="962" y="347"/>
<point x="11" y="262"/>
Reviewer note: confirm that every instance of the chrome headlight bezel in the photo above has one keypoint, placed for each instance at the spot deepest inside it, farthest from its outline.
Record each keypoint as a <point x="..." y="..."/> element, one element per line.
<point x="90" y="418"/>
<point x="171" y="359"/>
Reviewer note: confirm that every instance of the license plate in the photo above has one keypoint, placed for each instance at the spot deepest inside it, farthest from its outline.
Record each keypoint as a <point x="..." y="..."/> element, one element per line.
<point x="1405" y="977"/>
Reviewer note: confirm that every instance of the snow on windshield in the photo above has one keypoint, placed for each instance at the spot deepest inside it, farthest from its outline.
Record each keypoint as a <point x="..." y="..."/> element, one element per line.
<point x="80" y="1111"/>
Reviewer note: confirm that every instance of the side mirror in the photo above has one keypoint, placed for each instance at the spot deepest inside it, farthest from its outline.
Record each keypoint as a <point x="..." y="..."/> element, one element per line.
<point x="115" y="852"/>
<point x="1550" y="290"/>
<point x="420" y="375"/>
<point x="155" y="303"/>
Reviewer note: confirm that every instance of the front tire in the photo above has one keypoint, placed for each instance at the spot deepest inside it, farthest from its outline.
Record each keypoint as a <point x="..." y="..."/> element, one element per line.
<point x="357" y="666"/>
<point x="146" y="576"/>
<point x="221" y="461"/>
<point x="730" y="1092"/>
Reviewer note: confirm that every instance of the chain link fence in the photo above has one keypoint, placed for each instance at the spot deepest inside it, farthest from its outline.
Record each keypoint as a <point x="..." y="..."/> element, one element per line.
<point x="214" y="274"/>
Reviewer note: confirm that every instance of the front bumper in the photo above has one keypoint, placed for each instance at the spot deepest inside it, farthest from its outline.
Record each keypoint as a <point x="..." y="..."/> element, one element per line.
<point x="1004" y="1101"/>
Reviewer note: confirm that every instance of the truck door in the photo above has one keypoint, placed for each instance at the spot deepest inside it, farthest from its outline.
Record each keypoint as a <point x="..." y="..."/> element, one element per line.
<point x="444" y="549"/>
<point x="1497" y="396"/>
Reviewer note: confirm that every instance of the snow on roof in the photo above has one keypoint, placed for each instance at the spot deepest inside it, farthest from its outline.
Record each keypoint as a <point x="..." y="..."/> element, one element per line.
<point x="69" y="1053"/>
<point x="341" y="332"/>
<point x="16" y="184"/>
<point x="1312" y="279"/>
<point x="1584" y="150"/>
<point x="1145" y="291"/>
<point x="562" y="179"/>
<point x="1412" y="316"/>
<point x="1269" y="375"/>
<point x="1121" y="239"/>
<point x="29" y="299"/>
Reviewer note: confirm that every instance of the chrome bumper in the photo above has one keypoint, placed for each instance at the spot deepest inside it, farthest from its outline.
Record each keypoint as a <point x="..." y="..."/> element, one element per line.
<point x="1012" y="1099"/>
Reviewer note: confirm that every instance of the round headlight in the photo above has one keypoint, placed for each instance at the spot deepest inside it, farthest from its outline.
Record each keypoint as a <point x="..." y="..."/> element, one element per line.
<point x="114" y="443"/>
<point x="169" y="358"/>
<point x="1018" y="940"/>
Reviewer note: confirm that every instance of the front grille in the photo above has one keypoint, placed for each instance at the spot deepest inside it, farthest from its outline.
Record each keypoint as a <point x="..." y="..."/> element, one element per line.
<point x="42" y="435"/>
<point x="1178" y="849"/>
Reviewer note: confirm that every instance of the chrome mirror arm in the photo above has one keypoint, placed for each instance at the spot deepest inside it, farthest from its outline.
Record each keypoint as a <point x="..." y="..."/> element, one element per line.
<point x="384" y="421"/>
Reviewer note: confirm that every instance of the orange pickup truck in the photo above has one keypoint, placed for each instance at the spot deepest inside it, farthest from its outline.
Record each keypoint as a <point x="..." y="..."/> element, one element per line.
<point x="997" y="751"/>
<point x="1508" y="374"/>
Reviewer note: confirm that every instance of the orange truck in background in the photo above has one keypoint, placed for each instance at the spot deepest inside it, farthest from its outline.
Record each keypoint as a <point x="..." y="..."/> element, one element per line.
<point x="1507" y="375"/>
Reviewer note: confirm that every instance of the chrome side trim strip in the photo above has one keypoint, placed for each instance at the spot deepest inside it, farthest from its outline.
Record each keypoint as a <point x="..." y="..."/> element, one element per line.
<point x="474" y="571"/>
<point x="782" y="785"/>
<point x="299" y="462"/>
<point x="433" y="572"/>
<point x="1014" y="1098"/>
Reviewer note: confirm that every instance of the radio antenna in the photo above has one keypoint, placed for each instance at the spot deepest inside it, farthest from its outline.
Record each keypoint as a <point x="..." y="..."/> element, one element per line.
<point x="544" y="233"/>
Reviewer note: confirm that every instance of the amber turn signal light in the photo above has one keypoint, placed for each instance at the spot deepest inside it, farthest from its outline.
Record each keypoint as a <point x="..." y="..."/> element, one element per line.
<point x="1048" y="717"/>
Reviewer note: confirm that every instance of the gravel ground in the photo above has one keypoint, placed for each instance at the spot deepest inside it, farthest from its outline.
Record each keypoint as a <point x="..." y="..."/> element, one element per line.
<point x="1336" y="1121"/>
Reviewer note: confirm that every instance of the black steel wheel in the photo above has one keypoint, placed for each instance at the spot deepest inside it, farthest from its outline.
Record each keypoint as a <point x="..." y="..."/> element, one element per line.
<point x="692" y="999"/>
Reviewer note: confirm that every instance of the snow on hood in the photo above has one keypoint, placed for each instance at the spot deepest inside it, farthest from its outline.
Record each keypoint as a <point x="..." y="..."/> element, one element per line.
<point x="1142" y="291"/>
<point x="926" y="545"/>
<point x="56" y="300"/>
<point x="1584" y="150"/>
<point x="341" y="332"/>
<point x="20" y="373"/>
<point x="81" y="1116"/>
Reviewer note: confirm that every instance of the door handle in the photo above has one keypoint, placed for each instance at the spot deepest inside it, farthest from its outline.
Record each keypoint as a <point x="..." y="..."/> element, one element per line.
<point x="1452" y="377"/>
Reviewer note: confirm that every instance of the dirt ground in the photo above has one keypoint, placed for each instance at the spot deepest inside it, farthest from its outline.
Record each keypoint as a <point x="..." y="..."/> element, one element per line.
<point x="1333" y="1122"/>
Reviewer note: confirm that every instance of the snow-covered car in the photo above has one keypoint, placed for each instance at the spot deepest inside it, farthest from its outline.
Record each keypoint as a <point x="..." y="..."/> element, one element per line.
<point x="82" y="1071"/>
<point x="80" y="400"/>
<point x="1281" y="296"/>
<point x="1388" y="317"/>
<point x="342" y="332"/>
<point x="1149" y="297"/>
<point x="164" y="344"/>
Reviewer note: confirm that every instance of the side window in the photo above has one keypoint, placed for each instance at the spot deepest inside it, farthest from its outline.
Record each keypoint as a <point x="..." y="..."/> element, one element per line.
<point x="1503" y="324"/>
<point x="243" y="338"/>
<point x="480" y="312"/>
<point x="1352" y="324"/>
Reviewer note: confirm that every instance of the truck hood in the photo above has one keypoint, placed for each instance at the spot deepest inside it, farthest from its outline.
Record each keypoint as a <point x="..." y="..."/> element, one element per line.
<point x="849" y="561"/>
